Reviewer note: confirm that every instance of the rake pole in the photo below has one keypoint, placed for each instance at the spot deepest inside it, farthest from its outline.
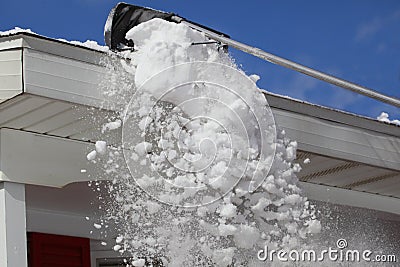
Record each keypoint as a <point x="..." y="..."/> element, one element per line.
<point x="293" y="65"/>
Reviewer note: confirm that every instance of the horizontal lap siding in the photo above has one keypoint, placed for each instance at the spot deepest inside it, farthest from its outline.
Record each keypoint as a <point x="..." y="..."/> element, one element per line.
<point x="62" y="78"/>
<point x="10" y="74"/>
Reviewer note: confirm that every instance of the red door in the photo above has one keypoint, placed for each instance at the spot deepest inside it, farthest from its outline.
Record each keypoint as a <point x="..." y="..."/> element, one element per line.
<point x="46" y="250"/>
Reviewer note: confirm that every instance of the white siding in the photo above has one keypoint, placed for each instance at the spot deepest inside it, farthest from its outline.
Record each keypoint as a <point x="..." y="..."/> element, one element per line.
<point x="62" y="78"/>
<point x="10" y="74"/>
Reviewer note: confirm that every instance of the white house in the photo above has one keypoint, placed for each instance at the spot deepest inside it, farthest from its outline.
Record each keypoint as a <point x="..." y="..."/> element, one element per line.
<point x="46" y="87"/>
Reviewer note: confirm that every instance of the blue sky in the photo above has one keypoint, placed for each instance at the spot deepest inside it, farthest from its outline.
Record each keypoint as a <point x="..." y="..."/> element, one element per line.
<point x="358" y="40"/>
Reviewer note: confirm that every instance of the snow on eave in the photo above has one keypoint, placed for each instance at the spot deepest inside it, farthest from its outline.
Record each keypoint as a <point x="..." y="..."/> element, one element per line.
<point x="16" y="30"/>
<point x="91" y="45"/>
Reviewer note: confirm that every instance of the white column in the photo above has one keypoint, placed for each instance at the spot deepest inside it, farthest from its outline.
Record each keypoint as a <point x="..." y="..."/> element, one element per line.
<point x="13" y="245"/>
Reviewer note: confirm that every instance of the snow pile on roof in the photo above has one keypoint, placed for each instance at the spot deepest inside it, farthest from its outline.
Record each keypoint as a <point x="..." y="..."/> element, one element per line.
<point x="210" y="179"/>
<point x="92" y="45"/>
<point x="88" y="44"/>
<point x="15" y="31"/>
<point x="384" y="117"/>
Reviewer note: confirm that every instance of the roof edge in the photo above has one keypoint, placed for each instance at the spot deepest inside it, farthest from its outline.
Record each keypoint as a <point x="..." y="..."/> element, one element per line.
<point x="330" y="114"/>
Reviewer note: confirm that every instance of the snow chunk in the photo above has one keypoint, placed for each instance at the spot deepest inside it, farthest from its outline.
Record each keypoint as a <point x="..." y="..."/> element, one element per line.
<point x="384" y="117"/>
<point x="117" y="247"/>
<point x="91" y="155"/>
<point x="313" y="226"/>
<point x="139" y="263"/>
<point x="246" y="237"/>
<point x="291" y="150"/>
<point x="254" y="77"/>
<point x="143" y="148"/>
<point x="228" y="210"/>
<point x="112" y="125"/>
<point x="226" y="229"/>
<point x="223" y="257"/>
<point x="101" y="147"/>
<point x="261" y="205"/>
<point x="293" y="199"/>
<point x="153" y="207"/>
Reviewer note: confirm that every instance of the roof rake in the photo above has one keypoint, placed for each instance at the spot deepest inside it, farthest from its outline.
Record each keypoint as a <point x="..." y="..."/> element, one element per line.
<point x="125" y="16"/>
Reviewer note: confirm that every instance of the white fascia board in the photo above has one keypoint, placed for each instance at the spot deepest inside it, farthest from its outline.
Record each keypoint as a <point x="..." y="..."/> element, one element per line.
<point x="341" y="141"/>
<point x="353" y="198"/>
<point x="63" y="49"/>
<point x="278" y="102"/>
<point x="37" y="159"/>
